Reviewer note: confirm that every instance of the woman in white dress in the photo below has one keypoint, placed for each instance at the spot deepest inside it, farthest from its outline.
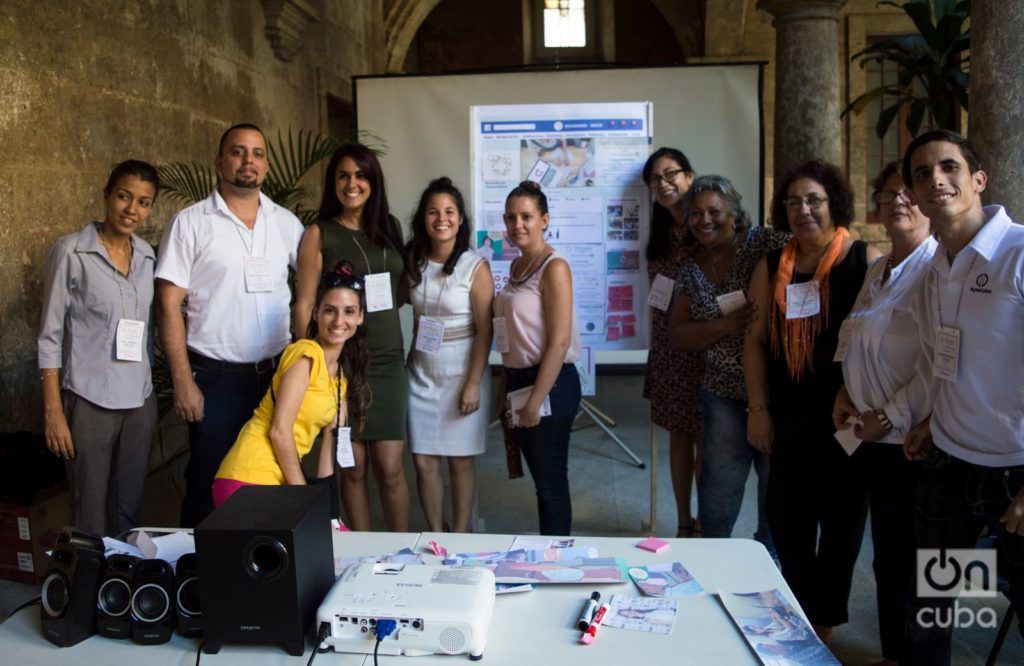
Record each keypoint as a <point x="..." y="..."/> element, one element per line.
<point x="451" y="289"/>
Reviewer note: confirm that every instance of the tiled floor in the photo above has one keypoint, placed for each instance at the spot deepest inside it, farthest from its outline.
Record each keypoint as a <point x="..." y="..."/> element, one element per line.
<point x="611" y="496"/>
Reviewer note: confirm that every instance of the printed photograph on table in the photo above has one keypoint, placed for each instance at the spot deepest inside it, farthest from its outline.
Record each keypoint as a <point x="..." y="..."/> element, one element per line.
<point x="776" y="633"/>
<point x="654" y="616"/>
<point x="578" y="570"/>
<point x="666" y="579"/>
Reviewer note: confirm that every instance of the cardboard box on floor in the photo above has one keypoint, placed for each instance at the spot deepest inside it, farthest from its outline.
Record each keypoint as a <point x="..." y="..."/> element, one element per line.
<point x="27" y="531"/>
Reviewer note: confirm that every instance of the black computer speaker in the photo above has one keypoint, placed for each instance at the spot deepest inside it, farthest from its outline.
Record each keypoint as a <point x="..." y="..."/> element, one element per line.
<point x="266" y="562"/>
<point x="68" y="596"/>
<point x="186" y="597"/>
<point x="152" y="604"/>
<point x="114" y="599"/>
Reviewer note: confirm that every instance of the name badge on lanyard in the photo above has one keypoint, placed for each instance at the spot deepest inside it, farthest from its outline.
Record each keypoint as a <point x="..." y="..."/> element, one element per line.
<point x="378" y="292"/>
<point x="345" y="456"/>
<point x="947" y="353"/>
<point x="430" y="335"/>
<point x="802" y="300"/>
<point x="129" y="339"/>
<point x="661" y="293"/>
<point x="259" y="276"/>
<point x="501" y="335"/>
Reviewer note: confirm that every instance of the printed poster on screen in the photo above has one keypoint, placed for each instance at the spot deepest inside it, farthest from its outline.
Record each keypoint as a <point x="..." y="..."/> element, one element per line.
<point x="588" y="158"/>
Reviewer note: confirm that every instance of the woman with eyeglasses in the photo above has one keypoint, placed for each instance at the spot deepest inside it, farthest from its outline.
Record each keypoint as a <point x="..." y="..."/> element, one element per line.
<point x="710" y="315"/>
<point x="877" y="363"/>
<point x="94" y="347"/>
<point x="319" y="387"/>
<point x="816" y="501"/>
<point x="449" y="378"/>
<point x="536" y="332"/>
<point x="355" y="225"/>
<point x="672" y="383"/>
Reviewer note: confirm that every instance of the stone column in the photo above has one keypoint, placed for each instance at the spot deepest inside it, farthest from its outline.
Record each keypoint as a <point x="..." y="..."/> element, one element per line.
<point x="807" y="109"/>
<point x="996" y="118"/>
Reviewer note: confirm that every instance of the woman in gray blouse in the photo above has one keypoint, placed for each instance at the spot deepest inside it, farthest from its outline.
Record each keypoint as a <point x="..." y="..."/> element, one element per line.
<point x="94" y="352"/>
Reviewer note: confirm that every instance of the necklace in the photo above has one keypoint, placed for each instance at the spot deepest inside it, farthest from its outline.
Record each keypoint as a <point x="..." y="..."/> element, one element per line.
<point x="359" y="245"/>
<point x="110" y="249"/>
<point x="714" y="260"/>
<point x="526" y="272"/>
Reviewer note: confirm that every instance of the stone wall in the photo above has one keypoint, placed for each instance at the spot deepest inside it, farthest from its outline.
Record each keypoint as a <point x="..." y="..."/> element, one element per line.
<point x="84" y="85"/>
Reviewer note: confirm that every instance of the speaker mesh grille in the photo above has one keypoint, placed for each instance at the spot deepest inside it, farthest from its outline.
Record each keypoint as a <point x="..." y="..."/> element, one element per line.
<point x="452" y="640"/>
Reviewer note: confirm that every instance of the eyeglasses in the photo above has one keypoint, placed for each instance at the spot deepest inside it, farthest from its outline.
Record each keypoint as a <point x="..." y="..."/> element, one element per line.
<point x="668" y="175"/>
<point x="343" y="278"/>
<point x="814" y="202"/>
<point x="889" y="196"/>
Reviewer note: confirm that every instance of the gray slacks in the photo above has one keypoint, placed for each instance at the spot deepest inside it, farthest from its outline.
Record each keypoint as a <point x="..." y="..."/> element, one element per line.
<point x="109" y="468"/>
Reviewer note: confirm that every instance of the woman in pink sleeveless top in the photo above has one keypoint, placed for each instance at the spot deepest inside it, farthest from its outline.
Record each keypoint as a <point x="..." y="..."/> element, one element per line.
<point x="535" y="331"/>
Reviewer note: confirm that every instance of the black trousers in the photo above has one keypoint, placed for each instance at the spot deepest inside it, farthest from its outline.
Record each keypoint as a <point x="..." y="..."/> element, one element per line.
<point x="891" y="479"/>
<point x="817" y="507"/>
<point x="954" y="500"/>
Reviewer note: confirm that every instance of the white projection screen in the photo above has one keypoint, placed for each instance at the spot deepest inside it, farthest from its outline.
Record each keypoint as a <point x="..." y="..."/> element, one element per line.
<point x="713" y="113"/>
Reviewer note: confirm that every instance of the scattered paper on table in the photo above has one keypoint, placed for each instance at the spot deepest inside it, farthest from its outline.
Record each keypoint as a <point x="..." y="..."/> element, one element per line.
<point x="655" y="616"/>
<point x="777" y="634"/>
<point x="666" y="579"/>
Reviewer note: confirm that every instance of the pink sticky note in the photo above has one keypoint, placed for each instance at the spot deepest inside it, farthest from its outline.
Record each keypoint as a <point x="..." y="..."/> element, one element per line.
<point x="437" y="548"/>
<point x="653" y="544"/>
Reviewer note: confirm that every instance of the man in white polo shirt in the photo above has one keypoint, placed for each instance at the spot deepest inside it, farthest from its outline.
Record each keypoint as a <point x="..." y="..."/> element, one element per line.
<point x="970" y="314"/>
<point x="226" y="259"/>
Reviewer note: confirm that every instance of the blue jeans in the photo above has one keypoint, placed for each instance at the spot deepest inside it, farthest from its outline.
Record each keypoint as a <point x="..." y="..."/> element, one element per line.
<point x="229" y="398"/>
<point x="546" y="446"/>
<point x="725" y="460"/>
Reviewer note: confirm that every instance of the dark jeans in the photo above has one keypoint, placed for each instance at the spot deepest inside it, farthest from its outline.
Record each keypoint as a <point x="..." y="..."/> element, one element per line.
<point x="546" y="446"/>
<point x="953" y="502"/>
<point x="817" y="507"/>
<point x="891" y="481"/>
<point x="230" y="396"/>
<point x="725" y="460"/>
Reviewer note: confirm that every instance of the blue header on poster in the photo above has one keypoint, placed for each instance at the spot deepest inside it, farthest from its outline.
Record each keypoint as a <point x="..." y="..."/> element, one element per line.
<point x="577" y="125"/>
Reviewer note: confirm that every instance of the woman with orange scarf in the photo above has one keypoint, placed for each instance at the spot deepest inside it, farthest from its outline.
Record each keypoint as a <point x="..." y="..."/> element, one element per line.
<point x="805" y="290"/>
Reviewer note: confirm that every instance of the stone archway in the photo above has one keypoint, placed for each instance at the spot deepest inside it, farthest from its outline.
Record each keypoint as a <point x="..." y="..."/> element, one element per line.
<point x="402" y="18"/>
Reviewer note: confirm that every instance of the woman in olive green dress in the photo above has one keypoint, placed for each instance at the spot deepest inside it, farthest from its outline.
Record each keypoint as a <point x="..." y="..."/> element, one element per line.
<point x="355" y="225"/>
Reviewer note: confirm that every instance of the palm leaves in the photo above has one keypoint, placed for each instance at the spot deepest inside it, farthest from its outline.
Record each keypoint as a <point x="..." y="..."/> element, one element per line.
<point x="291" y="158"/>
<point x="932" y="64"/>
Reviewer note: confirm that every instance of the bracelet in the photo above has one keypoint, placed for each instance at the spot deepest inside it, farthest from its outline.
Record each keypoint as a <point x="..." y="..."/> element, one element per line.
<point x="756" y="408"/>
<point x="883" y="418"/>
<point x="44" y="375"/>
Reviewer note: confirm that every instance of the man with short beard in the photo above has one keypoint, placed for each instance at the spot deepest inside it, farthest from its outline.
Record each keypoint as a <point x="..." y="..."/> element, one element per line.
<point x="226" y="259"/>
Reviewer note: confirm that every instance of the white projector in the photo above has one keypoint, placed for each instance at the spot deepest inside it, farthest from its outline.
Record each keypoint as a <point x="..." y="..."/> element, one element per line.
<point x="436" y="609"/>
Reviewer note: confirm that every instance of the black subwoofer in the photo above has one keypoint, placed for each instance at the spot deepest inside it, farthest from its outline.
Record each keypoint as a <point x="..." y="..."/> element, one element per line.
<point x="114" y="598"/>
<point x="265" y="563"/>
<point x="186" y="597"/>
<point x="152" y="604"/>
<point x="68" y="596"/>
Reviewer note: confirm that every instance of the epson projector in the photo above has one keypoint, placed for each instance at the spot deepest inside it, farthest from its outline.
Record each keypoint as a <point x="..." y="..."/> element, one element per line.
<point x="437" y="609"/>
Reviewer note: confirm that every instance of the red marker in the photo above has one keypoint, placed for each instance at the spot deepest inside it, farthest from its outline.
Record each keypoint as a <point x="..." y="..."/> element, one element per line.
<point x="591" y="633"/>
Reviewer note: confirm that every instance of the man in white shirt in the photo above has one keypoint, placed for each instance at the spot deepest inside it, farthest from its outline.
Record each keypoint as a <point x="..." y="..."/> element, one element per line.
<point x="226" y="260"/>
<point x="970" y="315"/>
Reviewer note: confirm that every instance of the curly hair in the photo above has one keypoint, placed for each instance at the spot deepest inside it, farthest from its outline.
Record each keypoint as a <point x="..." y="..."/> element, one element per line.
<point x="724" y="188"/>
<point x="830" y="177"/>
<point x="418" y="247"/>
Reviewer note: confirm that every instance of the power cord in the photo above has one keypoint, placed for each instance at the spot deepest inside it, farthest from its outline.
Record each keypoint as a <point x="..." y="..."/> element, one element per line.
<point x="199" y="651"/>
<point x="383" y="629"/>
<point x="321" y="636"/>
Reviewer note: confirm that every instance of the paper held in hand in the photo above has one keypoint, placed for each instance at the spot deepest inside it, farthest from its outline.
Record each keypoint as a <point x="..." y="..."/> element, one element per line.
<point x="732" y="301"/>
<point x="518" y="398"/>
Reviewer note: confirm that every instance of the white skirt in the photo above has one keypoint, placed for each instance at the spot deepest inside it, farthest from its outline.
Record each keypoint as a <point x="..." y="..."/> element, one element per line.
<point x="435" y="384"/>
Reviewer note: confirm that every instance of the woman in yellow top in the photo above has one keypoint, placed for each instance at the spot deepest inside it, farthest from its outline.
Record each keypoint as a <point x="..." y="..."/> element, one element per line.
<point x="319" y="382"/>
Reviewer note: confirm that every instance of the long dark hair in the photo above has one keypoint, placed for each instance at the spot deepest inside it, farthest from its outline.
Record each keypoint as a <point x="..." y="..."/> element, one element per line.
<point x="354" y="357"/>
<point x="419" y="245"/>
<point x="658" y="245"/>
<point x="377" y="223"/>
